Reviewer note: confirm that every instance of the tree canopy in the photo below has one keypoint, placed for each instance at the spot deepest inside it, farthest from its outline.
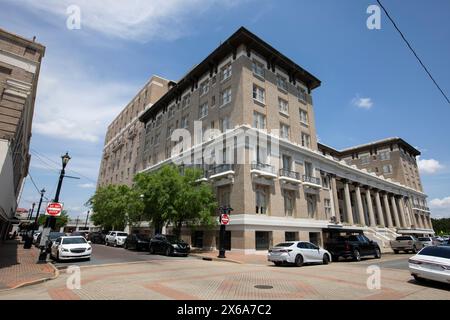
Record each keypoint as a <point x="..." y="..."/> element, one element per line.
<point x="61" y="220"/>
<point x="441" y="226"/>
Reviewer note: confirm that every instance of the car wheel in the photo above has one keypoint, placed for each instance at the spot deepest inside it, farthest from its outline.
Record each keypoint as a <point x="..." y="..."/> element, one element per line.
<point x="299" y="260"/>
<point x="326" y="259"/>
<point x="106" y="243"/>
<point x="396" y="251"/>
<point x="168" y="251"/>
<point x="152" y="250"/>
<point x="125" y="245"/>
<point x="417" y="278"/>
<point x="356" y="255"/>
<point x="377" y="254"/>
<point x="115" y="243"/>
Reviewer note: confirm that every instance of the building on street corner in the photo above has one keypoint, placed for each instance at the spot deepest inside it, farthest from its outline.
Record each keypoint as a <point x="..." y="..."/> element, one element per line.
<point x="248" y="117"/>
<point x="20" y="62"/>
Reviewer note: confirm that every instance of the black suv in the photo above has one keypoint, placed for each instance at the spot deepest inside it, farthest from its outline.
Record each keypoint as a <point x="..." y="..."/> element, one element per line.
<point x="168" y="245"/>
<point x="353" y="246"/>
<point x="137" y="241"/>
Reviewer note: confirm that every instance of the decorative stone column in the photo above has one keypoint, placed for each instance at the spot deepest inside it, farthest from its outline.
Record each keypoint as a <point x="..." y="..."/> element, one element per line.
<point x="401" y="208"/>
<point x="335" y="199"/>
<point x="359" y="205"/>
<point x="379" y="209"/>
<point x="348" y="204"/>
<point x="414" y="221"/>
<point x="372" y="221"/>
<point x="395" y="211"/>
<point x="388" y="211"/>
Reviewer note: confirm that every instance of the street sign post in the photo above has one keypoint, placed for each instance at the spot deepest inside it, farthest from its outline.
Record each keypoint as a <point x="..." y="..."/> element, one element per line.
<point x="54" y="209"/>
<point x="224" y="219"/>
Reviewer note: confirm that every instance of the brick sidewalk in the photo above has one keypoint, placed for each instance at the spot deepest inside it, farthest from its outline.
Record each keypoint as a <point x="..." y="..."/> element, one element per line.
<point x="18" y="265"/>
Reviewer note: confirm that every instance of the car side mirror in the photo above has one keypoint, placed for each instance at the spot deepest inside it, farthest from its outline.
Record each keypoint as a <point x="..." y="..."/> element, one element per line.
<point x="89" y="242"/>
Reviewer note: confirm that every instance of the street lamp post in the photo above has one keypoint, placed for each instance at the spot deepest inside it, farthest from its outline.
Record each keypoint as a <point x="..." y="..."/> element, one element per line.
<point x="30" y="216"/>
<point x="50" y="223"/>
<point x="222" y="234"/>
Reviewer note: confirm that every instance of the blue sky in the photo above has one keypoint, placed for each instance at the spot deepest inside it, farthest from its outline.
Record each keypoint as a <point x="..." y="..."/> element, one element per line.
<point x="372" y="86"/>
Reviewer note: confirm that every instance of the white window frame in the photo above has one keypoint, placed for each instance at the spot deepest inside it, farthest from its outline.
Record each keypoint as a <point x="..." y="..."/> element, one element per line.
<point x="226" y="71"/>
<point x="284" y="128"/>
<point x="283" y="106"/>
<point x="259" y="94"/>
<point x="304" y="119"/>
<point x="259" y="118"/>
<point x="282" y="82"/>
<point x="258" y="68"/>
<point x="307" y="141"/>
<point x="203" y="110"/>
<point x="227" y="94"/>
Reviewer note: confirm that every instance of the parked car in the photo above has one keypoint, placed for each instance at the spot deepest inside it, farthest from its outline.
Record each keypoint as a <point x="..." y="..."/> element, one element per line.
<point x="80" y="233"/>
<point x="137" y="241"/>
<point x="168" y="245"/>
<point x="96" y="237"/>
<point x="35" y="236"/>
<point x="71" y="247"/>
<point x="424" y="242"/>
<point x="353" y="246"/>
<point x="406" y="244"/>
<point x="437" y="240"/>
<point x="445" y="243"/>
<point x="432" y="263"/>
<point x="298" y="253"/>
<point x="52" y="236"/>
<point x="116" y="238"/>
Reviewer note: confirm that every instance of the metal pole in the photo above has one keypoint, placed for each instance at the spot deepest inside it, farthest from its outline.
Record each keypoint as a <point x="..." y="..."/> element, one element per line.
<point x="51" y="221"/>
<point x="87" y="218"/>
<point x="31" y="211"/>
<point x="39" y="208"/>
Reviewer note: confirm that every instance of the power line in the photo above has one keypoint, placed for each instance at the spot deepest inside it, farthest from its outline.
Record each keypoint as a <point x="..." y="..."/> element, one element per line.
<point x="414" y="52"/>
<point x="34" y="184"/>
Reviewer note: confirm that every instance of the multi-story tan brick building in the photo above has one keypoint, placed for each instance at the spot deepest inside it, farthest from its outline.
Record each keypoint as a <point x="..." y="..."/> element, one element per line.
<point x="123" y="137"/>
<point x="244" y="92"/>
<point x="20" y="61"/>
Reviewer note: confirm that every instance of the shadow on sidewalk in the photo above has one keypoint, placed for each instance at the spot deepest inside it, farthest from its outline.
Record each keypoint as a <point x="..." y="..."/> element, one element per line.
<point x="8" y="253"/>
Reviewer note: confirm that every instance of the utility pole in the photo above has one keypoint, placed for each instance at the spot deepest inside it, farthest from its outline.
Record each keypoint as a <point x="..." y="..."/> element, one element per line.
<point x="30" y="216"/>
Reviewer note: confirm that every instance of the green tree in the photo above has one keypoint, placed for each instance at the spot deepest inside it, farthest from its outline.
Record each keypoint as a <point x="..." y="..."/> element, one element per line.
<point x="61" y="220"/>
<point x="175" y="198"/>
<point x="115" y="206"/>
<point x="441" y="226"/>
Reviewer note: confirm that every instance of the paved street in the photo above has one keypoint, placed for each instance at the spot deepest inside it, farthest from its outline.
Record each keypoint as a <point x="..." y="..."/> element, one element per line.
<point x="158" y="277"/>
<point x="109" y="255"/>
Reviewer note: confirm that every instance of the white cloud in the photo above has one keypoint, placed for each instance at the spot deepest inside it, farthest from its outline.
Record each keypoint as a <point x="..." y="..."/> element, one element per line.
<point x="429" y="166"/>
<point x="440" y="208"/>
<point x="140" y="20"/>
<point x="362" y="103"/>
<point x="75" y="105"/>
<point x="87" y="185"/>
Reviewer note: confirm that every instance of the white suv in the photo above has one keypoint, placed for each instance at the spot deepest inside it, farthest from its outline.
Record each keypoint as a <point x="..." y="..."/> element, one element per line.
<point x="116" y="238"/>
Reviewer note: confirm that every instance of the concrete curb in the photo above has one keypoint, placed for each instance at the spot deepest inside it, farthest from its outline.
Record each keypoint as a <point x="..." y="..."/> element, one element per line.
<point x="208" y="258"/>
<point x="32" y="282"/>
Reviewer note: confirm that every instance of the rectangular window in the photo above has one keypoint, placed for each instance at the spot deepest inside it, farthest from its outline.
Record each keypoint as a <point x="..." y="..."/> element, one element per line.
<point x="327" y="205"/>
<point x="303" y="117"/>
<point x="225" y="96"/>
<point x="213" y="101"/>
<point x="262" y="200"/>
<point x="226" y="72"/>
<point x="225" y="124"/>
<point x="259" y="94"/>
<point x="289" y="202"/>
<point x="283" y="106"/>
<point x="5" y="70"/>
<point x="282" y="82"/>
<point x="204" y="87"/>
<point x="385" y="155"/>
<point x="301" y="94"/>
<point x="171" y="111"/>
<point x="258" y="68"/>
<point x="184" y="122"/>
<point x="203" y="110"/>
<point x="306" y="140"/>
<point x="284" y="131"/>
<point x="365" y="159"/>
<point x="259" y="120"/>
<point x="387" y="169"/>
<point x="186" y="101"/>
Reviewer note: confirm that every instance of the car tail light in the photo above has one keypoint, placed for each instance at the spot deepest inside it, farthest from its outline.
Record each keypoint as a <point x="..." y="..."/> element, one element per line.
<point x="414" y="261"/>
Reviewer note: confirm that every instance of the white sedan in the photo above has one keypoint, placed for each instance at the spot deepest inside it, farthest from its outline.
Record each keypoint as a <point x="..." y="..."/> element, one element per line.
<point x="432" y="263"/>
<point x="71" y="247"/>
<point x="298" y="253"/>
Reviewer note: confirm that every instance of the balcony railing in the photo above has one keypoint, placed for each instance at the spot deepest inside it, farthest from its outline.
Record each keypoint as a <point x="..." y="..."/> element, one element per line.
<point x="221" y="168"/>
<point x="263" y="167"/>
<point x="289" y="174"/>
<point x="310" y="179"/>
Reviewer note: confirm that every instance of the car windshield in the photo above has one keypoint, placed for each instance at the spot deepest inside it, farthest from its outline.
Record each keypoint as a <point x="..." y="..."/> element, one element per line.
<point x="121" y="234"/>
<point x="403" y="238"/>
<point x="55" y="235"/>
<point x="424" y="239"/>
<point x="284" y="244"/>
<point x="74" y="240"/>
<point x="435" y="251"/>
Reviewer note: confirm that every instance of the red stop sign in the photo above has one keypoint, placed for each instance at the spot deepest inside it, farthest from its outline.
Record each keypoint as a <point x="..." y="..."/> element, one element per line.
<point x="54" y="209"/>
<point x="224" y="219"/>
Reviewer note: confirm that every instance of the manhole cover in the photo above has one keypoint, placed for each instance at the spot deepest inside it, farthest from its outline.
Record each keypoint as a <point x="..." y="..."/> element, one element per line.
<point x="263" y="286"/>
